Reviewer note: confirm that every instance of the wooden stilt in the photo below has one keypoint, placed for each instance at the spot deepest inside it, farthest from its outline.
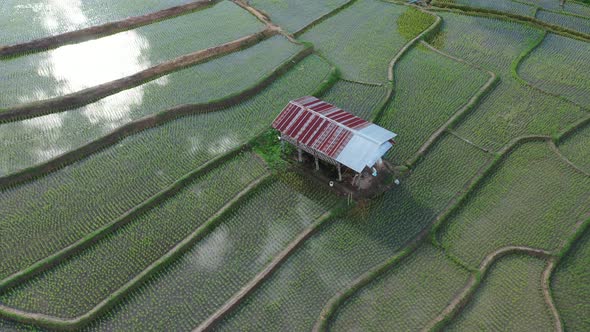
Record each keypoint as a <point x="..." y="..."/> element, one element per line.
<point x="339" y="173"/>
<point x="299" y="155"/>
<point x="317" y="163"/>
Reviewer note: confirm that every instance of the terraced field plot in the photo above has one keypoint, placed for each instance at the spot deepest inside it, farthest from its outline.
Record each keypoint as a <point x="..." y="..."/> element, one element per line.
<point x="408" y="296"/>
<point x="75" y="67"/>
<point x="246" y="239"/>
<point x="173" y="206"/>
<point x="346" y="38"/>
<point x="46" y="18"/>
<point x="510" y="298"/>
<point x="533" y="199"/>
<point x="512" y="109"/>
<point x="429" y="89"/>
<point x="106" y="266"/>
<point x="34" y="224"/>
<point x="560" y="65"/>
<point x="575" y="23"/>
<point x="345" y="248"/>
<point x="30" y="142"/>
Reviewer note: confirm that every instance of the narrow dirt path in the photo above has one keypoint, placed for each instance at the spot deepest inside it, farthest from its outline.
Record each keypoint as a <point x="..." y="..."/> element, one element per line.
<point x="52" y="322"/>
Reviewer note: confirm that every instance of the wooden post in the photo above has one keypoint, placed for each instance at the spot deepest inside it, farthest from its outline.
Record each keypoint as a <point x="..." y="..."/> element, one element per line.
<point x="299" y="156"/>
<point x="317" y="163"/>
<point x="339" y="173"/>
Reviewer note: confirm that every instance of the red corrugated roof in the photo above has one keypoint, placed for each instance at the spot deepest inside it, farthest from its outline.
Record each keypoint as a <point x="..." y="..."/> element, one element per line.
<point x="318" y="125"/>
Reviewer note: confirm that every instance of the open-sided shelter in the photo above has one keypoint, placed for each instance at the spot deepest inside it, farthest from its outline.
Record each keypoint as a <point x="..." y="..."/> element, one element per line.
<point x="332" y="134"/>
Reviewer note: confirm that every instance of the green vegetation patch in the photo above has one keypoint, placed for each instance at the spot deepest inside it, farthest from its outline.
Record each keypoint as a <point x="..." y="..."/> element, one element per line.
<point x="560" y="65"/>
<point x="185" y="293"/>
<point x="571" y="286"/>
<point x="533" y="199"/>
<point x="46" y="215"/>
<point x="361" y="40"/>
<point x="345" y="248"/>
<point x="408" y="296"/>
<point x="33" y="141"/>
<point x="75" y="67"/>
<point x="510" y="298"/>
<point x="429" y="89"/>
<point x="413" y="21"/>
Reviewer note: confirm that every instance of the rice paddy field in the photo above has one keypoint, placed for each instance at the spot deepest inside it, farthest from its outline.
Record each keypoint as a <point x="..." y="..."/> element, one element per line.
<point x="46" y="18"/>
<point x="510" y="298"/>
<point x="171" y="205"/>
<point x="559" y="65"/>
<point x="79" y="66"/>
<point x="580" y="24"/>
<point x="30" y="142"/>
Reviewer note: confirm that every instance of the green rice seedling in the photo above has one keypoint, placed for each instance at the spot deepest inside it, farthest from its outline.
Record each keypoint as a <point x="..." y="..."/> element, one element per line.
<point x="429" y="89"/>
<point x="412" y="22"/>
<point x="576" y="147"/>
<point x="532" y="199"/>
<point x="246" y="239"/>
<point x="75" y="67"/>
<point x="345" y="248"/>
<point x="358" y="99"/>
<point x="22" y="21"/>
<point x="33" y="141"/>
<point x="570" y="285"/>
<point x="560" y="65"/>
<point x="101" y="269"/>
<point x="295" y="15"/>
<point x="41" y="217"/>
<point x="509" y="298"/>
<point x="512" y="109"/>
<point x="361" y="40"/>
<point x="575" y="23"/>
<point x="408" y="296"/>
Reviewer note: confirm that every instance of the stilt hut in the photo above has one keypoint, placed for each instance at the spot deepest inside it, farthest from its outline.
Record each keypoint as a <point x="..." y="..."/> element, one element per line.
<point x="331" y="134"/>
